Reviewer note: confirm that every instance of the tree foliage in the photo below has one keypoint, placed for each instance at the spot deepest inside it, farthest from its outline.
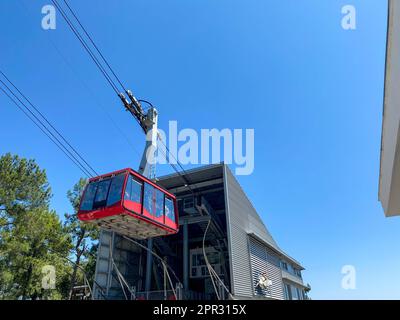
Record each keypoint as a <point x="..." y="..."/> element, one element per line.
<point x="23" y="185"/>
<point x="31" y="235"/>
<point x="83" y="237"/>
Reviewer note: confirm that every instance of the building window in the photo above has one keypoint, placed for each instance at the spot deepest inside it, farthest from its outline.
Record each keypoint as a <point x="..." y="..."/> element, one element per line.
<point x="287" y="291"/>
<point x="284" y="266"/>
<point x="295" y="293"/>
<point x="299" y="295"/>
<point x="297" y="272"/>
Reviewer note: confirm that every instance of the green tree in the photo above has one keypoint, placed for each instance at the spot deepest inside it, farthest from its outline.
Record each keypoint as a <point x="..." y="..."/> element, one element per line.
<point x="83" y="237"/>
<point x="90" y="263"/>
<point x="31" y="235"/>
<point x="23" y="185"/>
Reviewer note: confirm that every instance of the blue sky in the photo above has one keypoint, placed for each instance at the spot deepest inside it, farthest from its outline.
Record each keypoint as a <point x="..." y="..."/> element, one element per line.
<point x="311" y="90"/>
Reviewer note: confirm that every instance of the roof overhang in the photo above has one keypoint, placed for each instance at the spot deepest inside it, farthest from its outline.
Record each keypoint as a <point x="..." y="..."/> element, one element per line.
<point x="389" y="175"/>
<point x="196" y="177"/>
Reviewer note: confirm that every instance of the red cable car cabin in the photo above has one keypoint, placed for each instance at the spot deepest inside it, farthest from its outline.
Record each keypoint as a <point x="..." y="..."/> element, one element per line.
<point x="126" y="202"/>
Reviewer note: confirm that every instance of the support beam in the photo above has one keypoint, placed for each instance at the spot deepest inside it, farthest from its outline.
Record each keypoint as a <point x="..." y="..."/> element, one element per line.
<point x="147" y="162"/>
<point x="149" y="264"/>
<point x="193" y="219"/>
<point x="186" y="257"/>
<point x="197" y="185"/>
<point x="148" y="157"/>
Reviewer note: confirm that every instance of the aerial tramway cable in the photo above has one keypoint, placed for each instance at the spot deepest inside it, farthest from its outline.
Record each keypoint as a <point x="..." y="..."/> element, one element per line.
<point x="94" y="44"/>
<point x="86" y="47"/>
<point x="43" y="124"/>
<point x="104" y="72"/>
<point x="47" y="122"/>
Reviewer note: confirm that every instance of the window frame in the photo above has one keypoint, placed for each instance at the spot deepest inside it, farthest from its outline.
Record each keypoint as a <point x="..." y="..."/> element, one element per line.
<point x="149" y="213"/>
<point x="162" y="217"/>
<point x="84" y="195"/>
<point x="130" y="176"/>
<point x="97" y="190"/>
<point x="122" y="191"/>
<point x="166" y="197"/>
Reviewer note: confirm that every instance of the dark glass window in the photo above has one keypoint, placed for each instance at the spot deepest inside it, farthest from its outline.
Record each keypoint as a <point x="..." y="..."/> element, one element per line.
<point x="101" y="194"/>
<point x="299" y="295"/>
<point x="88" y="197"/>
<point x="169" y="209"/>
<point x="159" y="203"/>
<point x="289" y="290"/>
<point x="133" y="190"/>
<point x="213" y="258"/>
<point x="136" y="191"/>
<point x="200" y="260"/>
<point x="149" y="199"/>
<point x="294" y="293"/>
<point x="128" y="189"/>
<point x="114" y="194"/>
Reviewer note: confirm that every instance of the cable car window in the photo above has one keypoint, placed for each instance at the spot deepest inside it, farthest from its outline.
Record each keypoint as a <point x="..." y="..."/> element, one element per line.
<point x="136" y="190"/>
<point x="149" y="199"/>
<point x="128" y="189"/>
<point x="101" y="194"/>
<point x="169" y="209"/>
<point x="88" y="197"/>
<point x="159" y="203"/>
<point x="133" y="190"/>
<point x="114" y="194"/>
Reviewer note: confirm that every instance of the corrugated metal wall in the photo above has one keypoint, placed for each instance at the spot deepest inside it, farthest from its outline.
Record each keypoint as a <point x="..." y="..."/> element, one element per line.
<point x="242" y="219"/>
<point x="264" y="261"/>
<point x="237" y="238"/>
